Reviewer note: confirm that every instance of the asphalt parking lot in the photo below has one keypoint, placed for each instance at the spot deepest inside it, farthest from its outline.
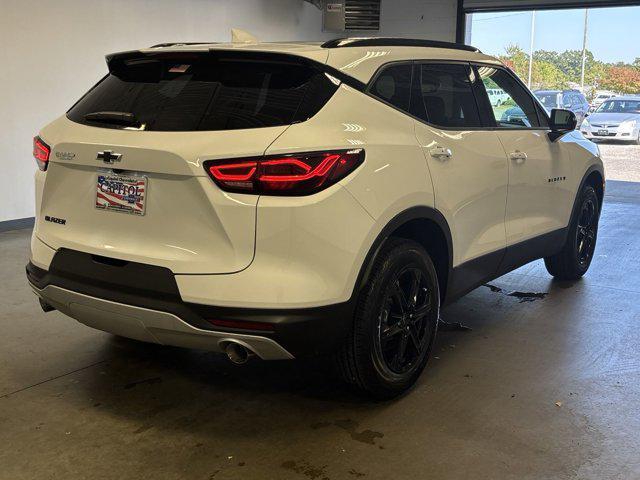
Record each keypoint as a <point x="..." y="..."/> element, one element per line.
<point x="621" y="161"/>
<point x="545" y="386"/>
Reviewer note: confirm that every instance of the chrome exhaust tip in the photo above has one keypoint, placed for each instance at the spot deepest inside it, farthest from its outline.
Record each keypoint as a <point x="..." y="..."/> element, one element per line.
<point x="237" y="354"/>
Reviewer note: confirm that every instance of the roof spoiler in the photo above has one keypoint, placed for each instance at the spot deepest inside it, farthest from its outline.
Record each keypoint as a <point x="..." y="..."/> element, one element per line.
<point x="119" y="59"/>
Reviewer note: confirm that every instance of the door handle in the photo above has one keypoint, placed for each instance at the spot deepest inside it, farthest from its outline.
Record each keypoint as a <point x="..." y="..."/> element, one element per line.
<point x="441" y="153"/>
<point x="518" y="156"/>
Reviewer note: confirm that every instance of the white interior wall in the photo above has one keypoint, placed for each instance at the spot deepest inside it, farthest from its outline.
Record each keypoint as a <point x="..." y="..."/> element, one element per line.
<point x="432" y="19"/>
<point x="52" y="52"/>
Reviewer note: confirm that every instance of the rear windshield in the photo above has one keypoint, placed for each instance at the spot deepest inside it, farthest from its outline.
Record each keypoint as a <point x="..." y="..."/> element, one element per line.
<point x="193" y="92"/>
<point x="548" y="99"/>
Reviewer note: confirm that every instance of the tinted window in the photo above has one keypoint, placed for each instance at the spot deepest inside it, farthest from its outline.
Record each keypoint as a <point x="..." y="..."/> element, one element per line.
<point x="518" y="110"/>
<point x="444" y="96"/>
<point x="206" y="92"/>
<point x="393" y="85"/>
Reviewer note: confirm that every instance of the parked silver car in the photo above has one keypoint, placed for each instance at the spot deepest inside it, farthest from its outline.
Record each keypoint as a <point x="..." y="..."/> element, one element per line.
<point x="616" y="119"/>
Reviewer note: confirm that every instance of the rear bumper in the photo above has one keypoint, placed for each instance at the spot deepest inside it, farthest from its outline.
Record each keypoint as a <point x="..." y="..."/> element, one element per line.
<point x="152" y="326"/>
<point x="143" y="302"/>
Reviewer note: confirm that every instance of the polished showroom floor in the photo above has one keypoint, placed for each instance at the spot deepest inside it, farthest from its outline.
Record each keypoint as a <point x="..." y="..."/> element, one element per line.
<point x="540" y="388"/>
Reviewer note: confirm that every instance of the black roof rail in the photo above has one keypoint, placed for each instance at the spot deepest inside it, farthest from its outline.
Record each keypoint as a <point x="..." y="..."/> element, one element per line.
<point x="395" y="42"/>
<point x="173" y="44"/>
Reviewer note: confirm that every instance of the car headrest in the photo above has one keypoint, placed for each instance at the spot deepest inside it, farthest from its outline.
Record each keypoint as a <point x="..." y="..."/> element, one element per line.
<point x="386" y="86"/>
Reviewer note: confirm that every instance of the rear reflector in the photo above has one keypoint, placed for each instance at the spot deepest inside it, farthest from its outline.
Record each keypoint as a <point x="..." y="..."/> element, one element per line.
<point x="41" y="153"/>
<point x="243" y="325"/>
<point x="296" y="174"/>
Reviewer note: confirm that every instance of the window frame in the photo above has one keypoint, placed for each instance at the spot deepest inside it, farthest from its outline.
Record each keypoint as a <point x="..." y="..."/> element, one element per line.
<point x="543" y="118"/>
<point x="489" y="123"/>
<point x="416" y="63"/>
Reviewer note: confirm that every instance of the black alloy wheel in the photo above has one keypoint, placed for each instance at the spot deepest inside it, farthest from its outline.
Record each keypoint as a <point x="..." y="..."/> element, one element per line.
<point x="586" y="232"/>
<point x="403" y="333"/>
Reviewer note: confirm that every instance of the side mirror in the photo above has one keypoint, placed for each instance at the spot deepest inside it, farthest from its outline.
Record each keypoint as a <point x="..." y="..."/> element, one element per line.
<point x="561" y="122"/>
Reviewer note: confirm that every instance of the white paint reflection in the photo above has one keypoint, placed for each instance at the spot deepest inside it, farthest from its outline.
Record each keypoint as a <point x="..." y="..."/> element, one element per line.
<point x="353" y="127"/>
<point x="180" y="248"/>
<point x="367" y="56"/>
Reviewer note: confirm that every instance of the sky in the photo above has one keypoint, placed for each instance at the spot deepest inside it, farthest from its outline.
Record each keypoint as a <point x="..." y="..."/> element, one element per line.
<point x="613" y="33"/>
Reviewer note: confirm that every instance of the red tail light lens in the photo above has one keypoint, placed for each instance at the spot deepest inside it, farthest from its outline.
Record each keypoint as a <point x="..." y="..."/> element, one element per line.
<point x="296" y="174"/>
<point x="41" y="153"/>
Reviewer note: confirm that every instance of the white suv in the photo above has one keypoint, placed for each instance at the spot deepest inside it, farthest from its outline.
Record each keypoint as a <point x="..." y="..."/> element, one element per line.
<point x="282" y="200"/>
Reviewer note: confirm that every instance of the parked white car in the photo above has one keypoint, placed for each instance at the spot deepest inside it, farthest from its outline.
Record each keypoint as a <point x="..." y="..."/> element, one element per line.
<point x="497" y="96"/>
<point x="283" y="200"/>
<point x="600" y="98"/>
<point x="617" y="119"/>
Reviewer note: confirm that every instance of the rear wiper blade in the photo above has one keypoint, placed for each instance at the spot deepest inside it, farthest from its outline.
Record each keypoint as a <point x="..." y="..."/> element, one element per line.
<point x="117" y="118"/>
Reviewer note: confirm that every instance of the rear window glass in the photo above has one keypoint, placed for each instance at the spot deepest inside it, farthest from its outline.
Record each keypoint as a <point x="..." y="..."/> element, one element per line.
<point x="204" y="92"/>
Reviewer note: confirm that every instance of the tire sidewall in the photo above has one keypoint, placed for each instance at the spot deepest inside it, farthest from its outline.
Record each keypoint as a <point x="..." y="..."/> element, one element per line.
<point x="587" y="193"/>
<point x="409" y="254"/>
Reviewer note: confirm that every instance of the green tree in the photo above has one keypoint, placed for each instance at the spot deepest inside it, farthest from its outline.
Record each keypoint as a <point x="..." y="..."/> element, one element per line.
<point x="546" y="75"/>
<point x="555" y="70"/>
<point x="547" y="56"/>
<point x="545" y="72"/>
<point x="517" y="60"/>
<point x="570" y="62"/>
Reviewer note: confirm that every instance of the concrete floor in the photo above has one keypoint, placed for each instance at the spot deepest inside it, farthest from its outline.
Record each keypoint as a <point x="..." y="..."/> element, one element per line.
<point x="546" y="389"/>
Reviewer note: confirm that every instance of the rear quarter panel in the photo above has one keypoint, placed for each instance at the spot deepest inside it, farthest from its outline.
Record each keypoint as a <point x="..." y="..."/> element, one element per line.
<point x="393" y="178"/>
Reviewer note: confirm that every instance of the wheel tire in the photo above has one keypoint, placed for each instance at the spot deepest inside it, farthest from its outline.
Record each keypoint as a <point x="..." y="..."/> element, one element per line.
<point x="364" y="360"/>
<point x="576" y="255"/>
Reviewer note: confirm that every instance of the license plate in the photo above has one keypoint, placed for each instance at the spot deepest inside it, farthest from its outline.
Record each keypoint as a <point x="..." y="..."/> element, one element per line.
<point x="121" y="193"/>
<point x="603" y="132"/>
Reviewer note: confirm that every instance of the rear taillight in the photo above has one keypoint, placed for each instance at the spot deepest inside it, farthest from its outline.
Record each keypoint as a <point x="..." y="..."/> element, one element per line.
<point x="296" y="174"/>
<point x="41" y="153"/>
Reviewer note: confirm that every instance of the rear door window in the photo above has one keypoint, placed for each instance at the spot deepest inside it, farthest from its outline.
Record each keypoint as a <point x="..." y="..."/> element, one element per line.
<point x="192" y="92"/>
<point x="444" y="96"/>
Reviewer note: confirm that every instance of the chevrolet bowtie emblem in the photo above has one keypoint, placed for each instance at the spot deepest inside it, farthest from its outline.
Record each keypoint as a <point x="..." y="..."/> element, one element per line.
<point x="109" y="157"/>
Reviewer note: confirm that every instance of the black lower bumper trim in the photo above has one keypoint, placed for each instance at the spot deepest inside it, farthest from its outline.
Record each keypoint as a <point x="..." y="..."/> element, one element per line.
<point x="301" y="331"/>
